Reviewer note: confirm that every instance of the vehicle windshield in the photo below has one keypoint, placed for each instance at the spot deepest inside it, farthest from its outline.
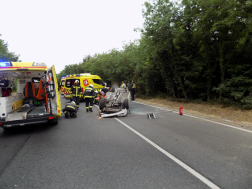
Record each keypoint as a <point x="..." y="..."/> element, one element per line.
<point x="98" y="81"/>
<point x="70" y="82"/>
<point x="62" y="82"/>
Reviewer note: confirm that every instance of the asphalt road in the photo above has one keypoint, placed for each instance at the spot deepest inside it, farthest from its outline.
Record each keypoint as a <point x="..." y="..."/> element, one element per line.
<point x="170" y="151"/>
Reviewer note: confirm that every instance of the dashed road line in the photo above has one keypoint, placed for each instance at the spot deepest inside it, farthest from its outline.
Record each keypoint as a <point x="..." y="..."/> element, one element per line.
<point x="182" y="164"/>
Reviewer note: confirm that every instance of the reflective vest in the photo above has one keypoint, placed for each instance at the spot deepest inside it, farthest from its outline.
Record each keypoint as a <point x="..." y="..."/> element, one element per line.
<point x="133" y="86"/>
<point x="76" y="91"/>
<point x="123" y="85"/>
<point x="89" y="93"/>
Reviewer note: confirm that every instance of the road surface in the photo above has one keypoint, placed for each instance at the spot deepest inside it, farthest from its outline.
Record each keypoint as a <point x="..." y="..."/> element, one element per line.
<point x="171" y="151"/>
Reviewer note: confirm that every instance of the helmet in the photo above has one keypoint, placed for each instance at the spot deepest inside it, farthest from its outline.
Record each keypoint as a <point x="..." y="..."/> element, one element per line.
<point x="105" y="84"/>
<point x="73" y="102"/>
<point x="77" y="81"/>
<point x="91" y="85"/>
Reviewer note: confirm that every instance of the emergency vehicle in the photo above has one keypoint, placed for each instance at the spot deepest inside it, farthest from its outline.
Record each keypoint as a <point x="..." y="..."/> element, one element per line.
<point x="36" y="100"/>
<point x="85" y="80"/>
<point x="62" y="83"/>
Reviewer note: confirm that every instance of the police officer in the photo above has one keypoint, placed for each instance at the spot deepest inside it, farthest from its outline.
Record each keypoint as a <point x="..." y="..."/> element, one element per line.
<point x="133" y="90"/>
<point x="89" y="97"/>
<point x="76" y="92"/>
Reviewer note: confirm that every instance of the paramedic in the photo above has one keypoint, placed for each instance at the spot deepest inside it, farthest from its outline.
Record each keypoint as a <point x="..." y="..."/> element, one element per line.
<point x="89" y="97"/>
<point x="133" y="90"/>
<point x="76" y="92"/>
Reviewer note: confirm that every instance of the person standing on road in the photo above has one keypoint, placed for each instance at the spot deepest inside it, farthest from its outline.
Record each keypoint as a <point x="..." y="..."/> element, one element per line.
<point x="133" y="90"/>
<point x="105" y="89"/>
<point x="89" y="97"/>
<point x="123" y="85"/>
<point x="76" y="92"/>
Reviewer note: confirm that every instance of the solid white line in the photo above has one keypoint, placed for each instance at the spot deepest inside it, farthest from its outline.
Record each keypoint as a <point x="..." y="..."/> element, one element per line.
<point x="223" y="124"/>
<point x="189" y="169"/>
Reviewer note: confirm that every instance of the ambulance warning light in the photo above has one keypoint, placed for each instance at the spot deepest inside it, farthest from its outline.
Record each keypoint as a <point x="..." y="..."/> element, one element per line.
<point x="5" y="64"/>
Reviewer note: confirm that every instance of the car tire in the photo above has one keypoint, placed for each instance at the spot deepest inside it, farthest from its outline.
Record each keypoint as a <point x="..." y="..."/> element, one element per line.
<point x="126" y="103"/>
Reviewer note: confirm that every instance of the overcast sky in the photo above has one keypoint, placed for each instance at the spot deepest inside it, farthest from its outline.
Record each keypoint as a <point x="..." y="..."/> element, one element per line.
<point x="61" y="32"/>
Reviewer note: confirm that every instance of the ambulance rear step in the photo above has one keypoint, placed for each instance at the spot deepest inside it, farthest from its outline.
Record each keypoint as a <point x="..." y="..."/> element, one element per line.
<point x="19" y="114"/>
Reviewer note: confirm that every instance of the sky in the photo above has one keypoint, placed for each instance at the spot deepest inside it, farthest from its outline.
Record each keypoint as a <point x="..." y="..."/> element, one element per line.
<point x="63" y="32"/>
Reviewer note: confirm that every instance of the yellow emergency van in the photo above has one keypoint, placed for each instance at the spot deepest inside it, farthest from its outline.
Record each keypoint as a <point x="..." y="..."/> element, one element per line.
<point x="85" y="80"/>
<point x="37" y="99"/>
<point x="62" y="83"/>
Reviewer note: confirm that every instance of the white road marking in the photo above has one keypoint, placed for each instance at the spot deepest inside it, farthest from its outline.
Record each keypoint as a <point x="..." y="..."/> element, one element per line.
<point x="223" y="124"/>
<point x="186" y="167"/>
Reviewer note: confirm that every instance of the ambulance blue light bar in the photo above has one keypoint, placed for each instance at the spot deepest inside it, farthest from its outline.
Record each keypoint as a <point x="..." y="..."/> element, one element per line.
<point x="5" y="64"/>
<point x="67" y="75"/>
<point x="62" y="77"/>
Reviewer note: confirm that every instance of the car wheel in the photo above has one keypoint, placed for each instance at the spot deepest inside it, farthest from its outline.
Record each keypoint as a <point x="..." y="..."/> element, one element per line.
<point x="126" y="104"/>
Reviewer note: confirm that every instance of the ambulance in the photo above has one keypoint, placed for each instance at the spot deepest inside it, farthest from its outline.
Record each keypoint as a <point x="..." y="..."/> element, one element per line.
<point x="37" y="99"/>
<point x="85" y="80"/>
<point x="62" y="83"/>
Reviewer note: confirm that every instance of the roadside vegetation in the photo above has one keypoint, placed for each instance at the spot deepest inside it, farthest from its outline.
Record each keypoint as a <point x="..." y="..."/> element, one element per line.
<point x="194" y="50"/>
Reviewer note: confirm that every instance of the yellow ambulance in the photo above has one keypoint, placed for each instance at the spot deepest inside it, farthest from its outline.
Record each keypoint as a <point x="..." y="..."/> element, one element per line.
<point x="85" y="80"/>
<point x="37" y="99"/>
<point x="62" y="83"/>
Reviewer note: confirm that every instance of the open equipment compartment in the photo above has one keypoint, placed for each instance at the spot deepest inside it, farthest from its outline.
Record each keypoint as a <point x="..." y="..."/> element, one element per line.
<point x="37" y="99"/>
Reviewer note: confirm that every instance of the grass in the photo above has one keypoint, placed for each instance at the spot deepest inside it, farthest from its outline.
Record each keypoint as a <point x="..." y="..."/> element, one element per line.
<point x="221" y="113"/>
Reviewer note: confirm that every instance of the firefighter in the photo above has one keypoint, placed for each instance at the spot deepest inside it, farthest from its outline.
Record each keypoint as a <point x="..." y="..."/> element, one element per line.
<point x="76" y="93"/>
<point x="89" y="97"/>
<point x="133" y="90"/>
<point x="105" y="89"/>
<point x="70" y="110"/>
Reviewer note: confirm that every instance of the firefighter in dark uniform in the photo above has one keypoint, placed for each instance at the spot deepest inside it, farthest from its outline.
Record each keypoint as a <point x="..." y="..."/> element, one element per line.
<point x="89" y="97"/>
<point x="76" y="92"/>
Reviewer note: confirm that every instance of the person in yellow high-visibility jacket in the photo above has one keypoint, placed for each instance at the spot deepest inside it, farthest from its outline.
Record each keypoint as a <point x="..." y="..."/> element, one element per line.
<point x="133" y="90"/>
<point x="123" y="85"/>
<point x="89" y="97"/>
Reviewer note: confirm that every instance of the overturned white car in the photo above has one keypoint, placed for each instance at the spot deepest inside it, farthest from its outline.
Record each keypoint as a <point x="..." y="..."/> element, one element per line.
<point x="115" y="103"/>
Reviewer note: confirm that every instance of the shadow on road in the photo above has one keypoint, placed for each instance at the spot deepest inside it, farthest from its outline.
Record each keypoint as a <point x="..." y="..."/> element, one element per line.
<point x="24" y="130"/>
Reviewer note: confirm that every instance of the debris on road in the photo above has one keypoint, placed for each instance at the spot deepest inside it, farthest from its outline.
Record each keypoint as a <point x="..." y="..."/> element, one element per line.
<point x="151" y="115"/>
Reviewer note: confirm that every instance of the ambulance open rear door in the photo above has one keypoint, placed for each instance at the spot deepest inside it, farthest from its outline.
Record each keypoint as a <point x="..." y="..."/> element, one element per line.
<point x="53" y="96"/>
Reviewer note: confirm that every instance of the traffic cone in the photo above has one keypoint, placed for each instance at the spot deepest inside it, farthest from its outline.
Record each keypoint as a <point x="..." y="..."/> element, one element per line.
<point x="180" y="110"/>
